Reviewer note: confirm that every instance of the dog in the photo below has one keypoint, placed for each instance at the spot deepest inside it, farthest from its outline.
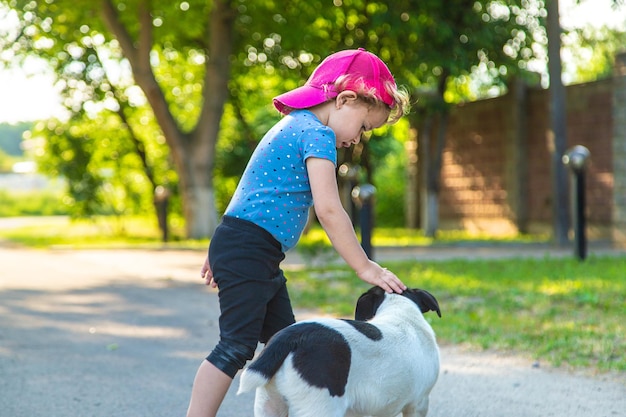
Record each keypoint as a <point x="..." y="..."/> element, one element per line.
<point x="382" y="364"/>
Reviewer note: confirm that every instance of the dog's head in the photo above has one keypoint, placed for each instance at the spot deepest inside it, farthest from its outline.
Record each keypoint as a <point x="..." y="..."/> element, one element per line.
<point x="368" y="303"/>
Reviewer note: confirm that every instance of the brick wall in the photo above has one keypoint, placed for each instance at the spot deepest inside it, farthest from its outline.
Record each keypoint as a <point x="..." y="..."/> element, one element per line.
<point x="473" y="182"/>
<point x="476" y="184"/>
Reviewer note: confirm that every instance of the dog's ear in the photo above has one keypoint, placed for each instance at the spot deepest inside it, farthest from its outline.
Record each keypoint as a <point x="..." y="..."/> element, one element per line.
<point x="368" y="303"/>
<point x="424" y="300"/>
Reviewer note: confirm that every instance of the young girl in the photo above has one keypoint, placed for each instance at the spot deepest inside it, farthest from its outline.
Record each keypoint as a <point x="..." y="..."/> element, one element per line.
<point x="292" y="168"/>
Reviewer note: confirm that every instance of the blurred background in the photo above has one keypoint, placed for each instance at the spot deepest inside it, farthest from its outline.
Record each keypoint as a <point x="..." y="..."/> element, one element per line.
<point x="139" y="117"/>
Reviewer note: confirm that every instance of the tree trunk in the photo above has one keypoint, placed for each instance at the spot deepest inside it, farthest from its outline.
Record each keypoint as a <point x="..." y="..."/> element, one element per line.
<point x="431" y="213"/>
<point x="193" y="153"/>
<point x="430" y="144"/>
<point x="431" y="223"/>
<point x="433" y="133"/>
<point x="557" y="135"/>
<point x="424" y="152"/>
<point x="424" y="169"/>
<point x="199" y="192"/>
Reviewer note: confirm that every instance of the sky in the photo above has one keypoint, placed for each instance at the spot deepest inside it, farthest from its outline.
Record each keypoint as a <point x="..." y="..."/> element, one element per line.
<point x="25" y="97"/>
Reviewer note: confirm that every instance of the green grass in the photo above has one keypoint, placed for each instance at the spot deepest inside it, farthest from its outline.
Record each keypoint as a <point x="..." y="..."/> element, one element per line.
<point x="134" y="231"/>
<point x="30" y="203"/>
<point x="394" y="236"/>
<point x="97" y="232"/>
<point x="560" y="311"/>
<point x="316" y="249"/>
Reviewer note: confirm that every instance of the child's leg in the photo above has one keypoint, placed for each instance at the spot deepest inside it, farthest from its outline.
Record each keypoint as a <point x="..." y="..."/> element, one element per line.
<point x="209" y="389"/>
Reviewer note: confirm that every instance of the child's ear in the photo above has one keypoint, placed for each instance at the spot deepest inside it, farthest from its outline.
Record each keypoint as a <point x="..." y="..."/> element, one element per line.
<point x="345" y="97"/>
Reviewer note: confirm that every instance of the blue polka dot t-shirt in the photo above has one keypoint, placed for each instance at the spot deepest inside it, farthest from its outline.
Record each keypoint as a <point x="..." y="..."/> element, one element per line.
<point x="274" y="191"/>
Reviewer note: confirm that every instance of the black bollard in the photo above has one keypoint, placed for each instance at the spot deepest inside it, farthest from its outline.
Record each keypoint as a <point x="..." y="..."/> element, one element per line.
<point x="363" y="196"/>
<point x="576" y="159"/>
<point x="579" y="220"/>
<point x="161" y="200"/>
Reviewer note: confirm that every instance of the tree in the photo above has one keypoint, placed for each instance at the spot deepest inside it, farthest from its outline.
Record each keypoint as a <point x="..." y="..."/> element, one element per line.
<point x="179" y="55"/>
<point x="558" y="134"/>
<point x="146" y="37"/>
<point x="591" y="53"/>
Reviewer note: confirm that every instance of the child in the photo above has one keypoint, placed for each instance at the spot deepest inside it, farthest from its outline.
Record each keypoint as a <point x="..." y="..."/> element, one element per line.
<point x="292" y="168"/>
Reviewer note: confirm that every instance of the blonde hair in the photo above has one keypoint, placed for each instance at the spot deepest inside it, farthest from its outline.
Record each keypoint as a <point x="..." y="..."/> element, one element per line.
<point x="369" y="95"/>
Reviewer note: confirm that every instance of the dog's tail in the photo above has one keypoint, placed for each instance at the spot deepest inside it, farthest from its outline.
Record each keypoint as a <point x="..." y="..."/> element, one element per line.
<point x="251" y="379"/>
<point x="265" y="366"/>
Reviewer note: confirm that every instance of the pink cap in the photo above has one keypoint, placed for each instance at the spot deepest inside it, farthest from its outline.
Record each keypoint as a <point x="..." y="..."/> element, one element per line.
<point x="361" y="65"/>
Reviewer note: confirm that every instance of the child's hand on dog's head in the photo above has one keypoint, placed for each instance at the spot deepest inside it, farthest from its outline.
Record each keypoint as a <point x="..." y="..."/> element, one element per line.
<point x="382" y="277"/>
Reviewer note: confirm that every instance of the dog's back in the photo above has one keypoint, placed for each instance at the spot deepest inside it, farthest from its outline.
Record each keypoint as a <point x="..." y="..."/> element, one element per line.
<point x="319" y="353"/>
<point x="326" y="367"/>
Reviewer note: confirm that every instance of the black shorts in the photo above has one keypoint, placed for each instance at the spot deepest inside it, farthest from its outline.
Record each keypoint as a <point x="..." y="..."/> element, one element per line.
<point x="254" y="302"/>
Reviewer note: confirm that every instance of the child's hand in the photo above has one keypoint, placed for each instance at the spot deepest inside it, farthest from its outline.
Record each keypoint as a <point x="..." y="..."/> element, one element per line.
<point x="207" y="274"/>
<point x="376" y="275"/>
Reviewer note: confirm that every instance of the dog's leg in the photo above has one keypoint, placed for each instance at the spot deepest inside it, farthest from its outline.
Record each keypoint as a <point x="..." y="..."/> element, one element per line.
<point x="269" y="403"/>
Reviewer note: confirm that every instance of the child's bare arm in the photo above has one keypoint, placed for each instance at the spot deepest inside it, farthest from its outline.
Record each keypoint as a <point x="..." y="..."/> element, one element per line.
<point x="338" y="226"/>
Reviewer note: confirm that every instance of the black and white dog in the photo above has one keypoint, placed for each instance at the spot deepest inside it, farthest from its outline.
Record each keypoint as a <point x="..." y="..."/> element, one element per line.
<point x="383" y="363"/>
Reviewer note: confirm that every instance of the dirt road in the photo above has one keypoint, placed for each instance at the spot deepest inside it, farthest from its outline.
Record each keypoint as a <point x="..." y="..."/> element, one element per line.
<point x="120" y="333"/>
